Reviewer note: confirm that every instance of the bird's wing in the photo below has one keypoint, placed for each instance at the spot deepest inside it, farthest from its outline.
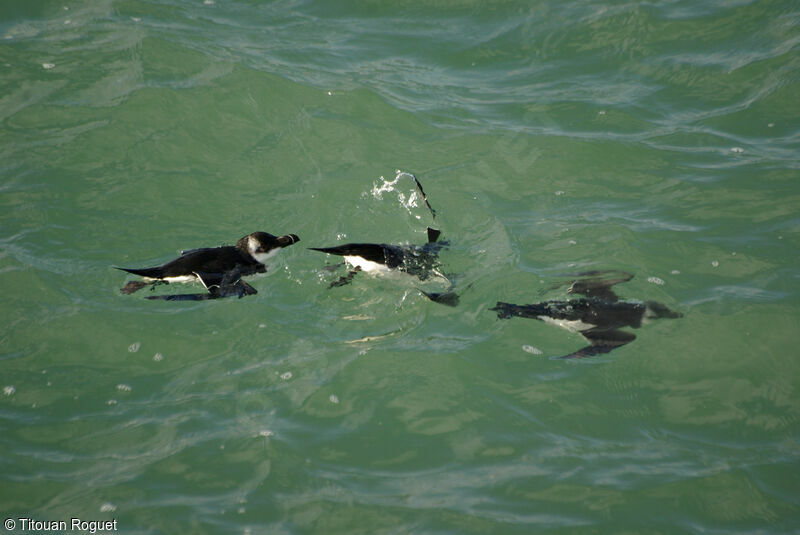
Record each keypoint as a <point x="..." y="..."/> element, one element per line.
<point x="601" y="341"/>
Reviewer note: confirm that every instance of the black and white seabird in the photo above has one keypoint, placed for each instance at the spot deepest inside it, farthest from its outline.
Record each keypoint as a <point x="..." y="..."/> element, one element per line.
<point x="219" y="269"/>
<point x="598" y="317"/>
<point x="421" y="262"/>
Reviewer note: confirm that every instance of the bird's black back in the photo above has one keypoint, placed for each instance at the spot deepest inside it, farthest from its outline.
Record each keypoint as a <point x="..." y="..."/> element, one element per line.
<point x="207" y="260"/>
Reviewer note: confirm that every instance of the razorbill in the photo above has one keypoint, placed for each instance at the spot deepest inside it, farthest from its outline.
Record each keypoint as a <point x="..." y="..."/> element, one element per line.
<point x="598" y="317"/>
<point x="219" y="269"/>
<point x="421" y="262"/>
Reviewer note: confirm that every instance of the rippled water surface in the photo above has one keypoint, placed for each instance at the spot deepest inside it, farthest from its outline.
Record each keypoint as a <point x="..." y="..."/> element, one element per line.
<point x="658" y="138"/>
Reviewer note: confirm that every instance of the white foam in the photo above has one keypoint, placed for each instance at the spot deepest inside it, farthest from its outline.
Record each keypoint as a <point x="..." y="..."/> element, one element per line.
<point x="385" y="186"/>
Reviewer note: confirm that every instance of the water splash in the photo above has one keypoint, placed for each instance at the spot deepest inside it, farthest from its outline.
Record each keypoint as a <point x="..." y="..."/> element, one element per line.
<point x="408" y="200"/>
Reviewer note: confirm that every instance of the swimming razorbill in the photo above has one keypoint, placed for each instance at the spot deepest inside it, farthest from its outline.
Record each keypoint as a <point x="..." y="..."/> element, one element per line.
<point x="219" y="269"/>
<point x="598" y="317"/>
<point x="421" y="262"/>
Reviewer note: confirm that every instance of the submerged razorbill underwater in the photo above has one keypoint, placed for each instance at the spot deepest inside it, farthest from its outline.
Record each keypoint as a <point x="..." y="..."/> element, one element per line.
<point x="219" y="269"/>
<point x="598" y="317"/>
<point x="421" y="262"/>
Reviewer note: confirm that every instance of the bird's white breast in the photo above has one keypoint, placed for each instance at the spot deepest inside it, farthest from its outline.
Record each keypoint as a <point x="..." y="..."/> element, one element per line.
<point x="174" y="280"/>
<point x="570" y="325"/>
<point x="263" y="258"/>
<point x="366" y="265"/>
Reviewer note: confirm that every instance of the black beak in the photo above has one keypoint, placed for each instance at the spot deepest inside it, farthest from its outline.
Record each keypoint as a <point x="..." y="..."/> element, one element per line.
<point x="289" y="239"/>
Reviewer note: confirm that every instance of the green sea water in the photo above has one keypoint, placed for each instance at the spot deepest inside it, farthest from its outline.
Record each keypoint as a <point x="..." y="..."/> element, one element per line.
<point x="659" y="138"/>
